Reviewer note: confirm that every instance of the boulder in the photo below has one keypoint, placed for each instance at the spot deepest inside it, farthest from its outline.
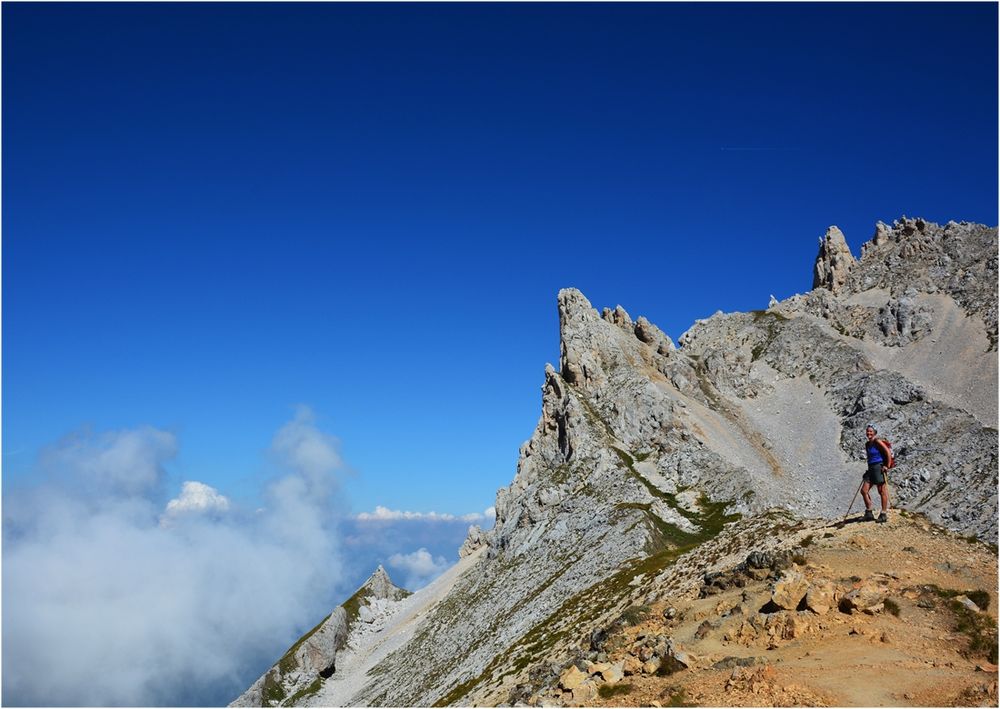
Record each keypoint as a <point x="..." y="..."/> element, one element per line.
<point x="868" y="598"/>
<point x="788" y="591"/>
<point x="819" y="597"/>
<point x="610" y="672"/>
<point x="571" y="678"/>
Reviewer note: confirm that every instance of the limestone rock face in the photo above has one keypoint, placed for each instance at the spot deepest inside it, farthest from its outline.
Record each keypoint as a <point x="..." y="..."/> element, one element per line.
<point x="650" y="461"/>
<point x="833" y="264"/>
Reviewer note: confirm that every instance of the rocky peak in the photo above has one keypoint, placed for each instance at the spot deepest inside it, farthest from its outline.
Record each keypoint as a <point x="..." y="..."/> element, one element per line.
<point x="834" y="261"/>
<point x="379" y="585"/>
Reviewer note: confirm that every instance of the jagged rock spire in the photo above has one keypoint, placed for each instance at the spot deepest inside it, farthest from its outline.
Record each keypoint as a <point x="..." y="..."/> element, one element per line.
<point x="833" y="262"/>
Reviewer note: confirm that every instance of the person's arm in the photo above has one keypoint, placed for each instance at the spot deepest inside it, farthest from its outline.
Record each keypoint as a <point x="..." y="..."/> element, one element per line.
<point x="884" y="450"/>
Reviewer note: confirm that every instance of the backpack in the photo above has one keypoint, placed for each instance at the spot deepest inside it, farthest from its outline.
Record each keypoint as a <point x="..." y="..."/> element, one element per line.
<point x="887" y="448"/>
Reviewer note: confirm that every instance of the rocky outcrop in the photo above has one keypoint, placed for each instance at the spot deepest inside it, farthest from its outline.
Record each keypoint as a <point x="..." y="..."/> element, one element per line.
<point x="833" y="264"/>
<point x="474" y="540"/>
<point x="301" y="668"/>
<point x="653" y="469"/>
<point x="299" y="673"/>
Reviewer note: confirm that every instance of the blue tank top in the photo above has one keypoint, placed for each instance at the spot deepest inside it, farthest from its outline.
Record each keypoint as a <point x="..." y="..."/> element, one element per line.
<point x="874" y="453"/>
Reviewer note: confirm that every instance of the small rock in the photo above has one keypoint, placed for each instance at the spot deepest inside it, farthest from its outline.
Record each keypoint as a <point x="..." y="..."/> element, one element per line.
<point x="859" y="541"/>
<point x="650" y="667"/>
<point x="366" y="615"/>
<point x="670" y="613"/>
<point x="968" y="603"/>
<point x="631" y="666"/>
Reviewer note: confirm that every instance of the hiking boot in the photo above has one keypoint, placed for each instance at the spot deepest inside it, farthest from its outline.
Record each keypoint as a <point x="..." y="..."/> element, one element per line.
<point x="869" y="516"/>
<point x="882" y="518"/>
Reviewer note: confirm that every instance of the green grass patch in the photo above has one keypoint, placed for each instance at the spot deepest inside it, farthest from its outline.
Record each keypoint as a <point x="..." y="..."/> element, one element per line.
<point x="980" y="628"/>
<point x="762" y="315"/>
<point x="306" y="692"/>
<point x="288" y="663"/>
<point x="561" y="473"/>
<point x="272" y="692"/>
<point x="891" y="606"/>
<point x="799" y="559"/>
<point x="612" y="690"/>
<point x="807" y="541"/>
<point x="634" y="615"/>
<point x="669" y="498"/>
<point x="981" y="598"/>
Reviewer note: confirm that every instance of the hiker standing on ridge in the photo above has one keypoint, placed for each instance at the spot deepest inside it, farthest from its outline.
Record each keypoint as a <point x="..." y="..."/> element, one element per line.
<point x="879" y="457"/>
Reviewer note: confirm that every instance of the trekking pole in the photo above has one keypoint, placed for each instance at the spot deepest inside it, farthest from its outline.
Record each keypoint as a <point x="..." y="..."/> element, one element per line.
<point x="853" y="499"/>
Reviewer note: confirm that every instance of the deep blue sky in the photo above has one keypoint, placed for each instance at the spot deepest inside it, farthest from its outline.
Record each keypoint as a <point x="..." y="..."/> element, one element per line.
<point x="212" y="213"/>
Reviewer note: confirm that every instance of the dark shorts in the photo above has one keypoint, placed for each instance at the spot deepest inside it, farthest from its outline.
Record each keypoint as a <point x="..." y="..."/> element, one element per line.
<point x="875" y="476"/>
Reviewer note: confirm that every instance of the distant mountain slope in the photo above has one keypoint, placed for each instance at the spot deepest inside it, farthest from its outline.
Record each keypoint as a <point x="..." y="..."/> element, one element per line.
<point x="300" y="672"/>
<point x="652" y="464"/>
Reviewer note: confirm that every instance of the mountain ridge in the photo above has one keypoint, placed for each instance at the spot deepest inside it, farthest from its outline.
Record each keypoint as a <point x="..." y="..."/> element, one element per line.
<point x="652" y="463"/>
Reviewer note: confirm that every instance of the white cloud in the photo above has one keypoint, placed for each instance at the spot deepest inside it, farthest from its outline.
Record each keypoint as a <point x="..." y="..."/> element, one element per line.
<point x="126" y="462"/>
<point x="302" y="446"/>
<point x="384" y="514"/>
<point x="136" y="613"/>
<point x="195" y="499"/>
<point x="419" y="567"/>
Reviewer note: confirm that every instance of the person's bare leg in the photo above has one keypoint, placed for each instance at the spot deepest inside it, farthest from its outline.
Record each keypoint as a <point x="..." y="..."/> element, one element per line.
<point x="883" y="491"/>
<point x="865" y="487"/>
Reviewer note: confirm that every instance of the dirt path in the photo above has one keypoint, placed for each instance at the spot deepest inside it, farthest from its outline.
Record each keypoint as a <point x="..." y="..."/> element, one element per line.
<point x="924" y="656"/>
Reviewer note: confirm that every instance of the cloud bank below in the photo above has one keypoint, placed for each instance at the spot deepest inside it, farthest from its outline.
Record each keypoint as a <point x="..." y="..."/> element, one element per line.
<point x="112" y="598"/>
